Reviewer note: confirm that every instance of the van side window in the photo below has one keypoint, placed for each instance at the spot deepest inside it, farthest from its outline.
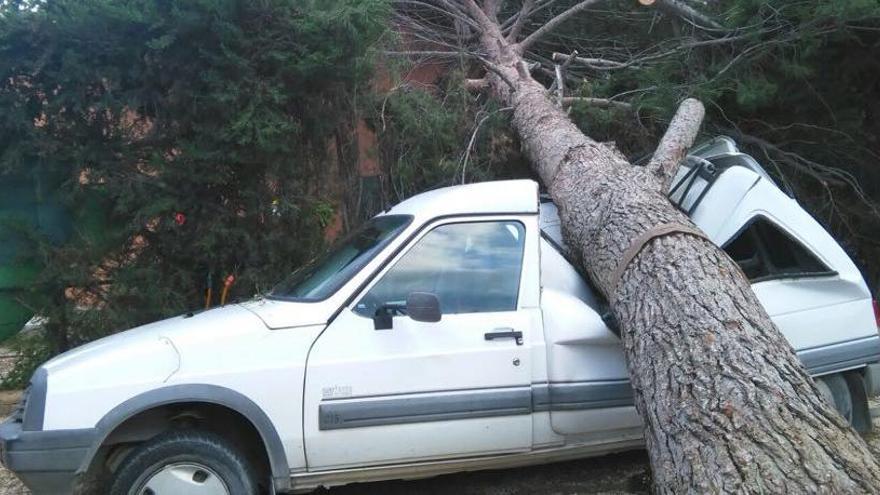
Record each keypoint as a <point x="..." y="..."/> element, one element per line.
<point x="471" y="267"/>
<point x="765" y="251"/>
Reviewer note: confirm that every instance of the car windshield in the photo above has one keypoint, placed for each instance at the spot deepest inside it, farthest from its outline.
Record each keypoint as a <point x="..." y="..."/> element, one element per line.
<point x="322" y="277"/>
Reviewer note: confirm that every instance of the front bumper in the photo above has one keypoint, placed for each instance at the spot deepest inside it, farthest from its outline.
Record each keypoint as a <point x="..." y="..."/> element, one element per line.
<point x="46" y="461"/>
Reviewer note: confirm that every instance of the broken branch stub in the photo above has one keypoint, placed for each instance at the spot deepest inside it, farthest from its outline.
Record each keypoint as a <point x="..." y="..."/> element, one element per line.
<point x="678" y="139"/>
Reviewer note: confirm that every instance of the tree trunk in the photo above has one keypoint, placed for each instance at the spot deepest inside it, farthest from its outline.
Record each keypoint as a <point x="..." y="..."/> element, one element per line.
<point x="727" y="405"/>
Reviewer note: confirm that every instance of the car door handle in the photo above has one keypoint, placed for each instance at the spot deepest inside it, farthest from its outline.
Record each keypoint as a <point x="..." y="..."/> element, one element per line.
<point x="504" y="333"/>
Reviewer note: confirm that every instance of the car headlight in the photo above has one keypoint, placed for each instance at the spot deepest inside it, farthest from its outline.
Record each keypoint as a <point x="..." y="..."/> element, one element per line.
<point x="32" y="407"/>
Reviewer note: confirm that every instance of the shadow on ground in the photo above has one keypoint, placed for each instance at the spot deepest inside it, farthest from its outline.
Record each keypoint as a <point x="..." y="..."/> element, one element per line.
<point x="626" y="473"/>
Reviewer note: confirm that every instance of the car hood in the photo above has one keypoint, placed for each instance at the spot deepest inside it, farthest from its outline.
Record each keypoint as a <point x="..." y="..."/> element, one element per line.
<point x="148" y="353"/>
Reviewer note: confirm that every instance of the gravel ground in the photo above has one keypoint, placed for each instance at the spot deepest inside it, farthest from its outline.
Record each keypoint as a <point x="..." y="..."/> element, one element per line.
<point x="626" y="473"/>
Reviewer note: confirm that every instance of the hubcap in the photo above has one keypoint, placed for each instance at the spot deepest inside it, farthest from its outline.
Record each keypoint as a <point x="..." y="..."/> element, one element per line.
<point x="184" y="479"/>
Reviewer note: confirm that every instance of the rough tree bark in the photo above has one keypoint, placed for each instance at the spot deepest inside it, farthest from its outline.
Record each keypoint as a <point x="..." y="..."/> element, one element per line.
<point x="727" y="405"/>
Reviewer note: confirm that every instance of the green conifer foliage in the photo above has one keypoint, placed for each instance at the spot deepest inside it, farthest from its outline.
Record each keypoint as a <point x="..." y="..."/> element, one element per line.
<point x="200" y="126"/>
<point x="801" y="76"/>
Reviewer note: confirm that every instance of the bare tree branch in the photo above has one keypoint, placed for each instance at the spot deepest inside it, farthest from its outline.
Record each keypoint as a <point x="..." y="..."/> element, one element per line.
<point x="554" y="23"/>
<point x="432" y="34"/>
<point x="498" y="72"/>
<point x="603" y="64"/>
<point x="568" y="60"/>
<point x="487" y="25"/>
<point x="521" y="19"/>
<point x="597" y="102"/>
<point x="470" y="145"/>
<point x="679" y="137"/>
<point x="562" y="57"/>
<point x="451" y="6"/>
<point x="448" y="10"/>
<point x="490" y="7"/>
<point x="559" y="83"/>
<point x="427" y="53"/>
<point x="593" y="63"/>
<point x="560" y="75"/>
<point x="539" y="5"/>
<point x="385" y="103"/>
<point x="825" y="174"/>
<point x="687" y="12"/>
<point x="475" y="10"/>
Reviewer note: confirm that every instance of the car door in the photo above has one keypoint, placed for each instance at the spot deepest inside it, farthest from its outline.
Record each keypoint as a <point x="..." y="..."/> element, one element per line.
<point x="421" y="390"/>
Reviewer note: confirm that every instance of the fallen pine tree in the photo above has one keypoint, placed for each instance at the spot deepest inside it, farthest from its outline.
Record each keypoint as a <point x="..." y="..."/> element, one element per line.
<point x="727" y="405"/>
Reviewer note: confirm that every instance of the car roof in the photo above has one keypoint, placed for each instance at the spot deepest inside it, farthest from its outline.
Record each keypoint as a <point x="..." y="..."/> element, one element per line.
<point x="715" y="203"/>
<point x="482" y="198"/>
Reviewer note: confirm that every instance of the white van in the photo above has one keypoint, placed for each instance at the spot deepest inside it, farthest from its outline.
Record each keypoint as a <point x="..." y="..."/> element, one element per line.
<point x="447" y="334"/>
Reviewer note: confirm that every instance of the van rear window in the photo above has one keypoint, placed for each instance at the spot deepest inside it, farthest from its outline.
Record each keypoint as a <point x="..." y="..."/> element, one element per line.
<point x="764" y="251"/>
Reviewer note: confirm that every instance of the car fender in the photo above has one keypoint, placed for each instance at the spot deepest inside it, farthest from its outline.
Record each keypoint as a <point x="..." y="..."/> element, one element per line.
<point x="212" y="394"/>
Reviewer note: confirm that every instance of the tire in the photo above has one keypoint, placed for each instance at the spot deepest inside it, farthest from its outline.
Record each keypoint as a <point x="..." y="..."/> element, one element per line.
<point x="176" y="461"/>
<point x="861" y="415"/>
<point x="836" y="390"/>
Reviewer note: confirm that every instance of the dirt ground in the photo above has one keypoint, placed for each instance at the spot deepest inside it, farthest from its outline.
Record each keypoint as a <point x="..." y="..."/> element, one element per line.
<point x="626" y="473"/>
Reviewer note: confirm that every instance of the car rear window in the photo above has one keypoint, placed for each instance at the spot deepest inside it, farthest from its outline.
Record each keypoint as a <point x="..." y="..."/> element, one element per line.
<point x="764" y="251"/>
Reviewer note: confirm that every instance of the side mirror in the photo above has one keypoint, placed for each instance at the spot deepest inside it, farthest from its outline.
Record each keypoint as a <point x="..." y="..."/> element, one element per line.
<point x="384" y="317"/>
<point x="420" y="306"/>
<point x="423" y="306"/>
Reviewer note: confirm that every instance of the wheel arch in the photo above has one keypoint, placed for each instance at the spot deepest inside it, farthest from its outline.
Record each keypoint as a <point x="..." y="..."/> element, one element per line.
<point x="197" y="393"/>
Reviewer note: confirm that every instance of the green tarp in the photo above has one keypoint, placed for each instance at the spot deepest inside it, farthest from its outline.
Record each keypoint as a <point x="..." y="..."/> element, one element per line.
<point x="26" y="202"/>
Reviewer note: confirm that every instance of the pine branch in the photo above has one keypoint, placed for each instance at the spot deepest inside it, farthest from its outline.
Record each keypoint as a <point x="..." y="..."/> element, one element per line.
<point x="521" y="19"/>
<point x="554" y="23"/>
<point x="593" y="63"/>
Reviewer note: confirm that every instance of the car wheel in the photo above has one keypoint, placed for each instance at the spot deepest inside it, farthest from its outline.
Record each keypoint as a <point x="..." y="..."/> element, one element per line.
<point x="861" y="415"/>
<point x="185" y="462"/>
<point x="836" y="392"/>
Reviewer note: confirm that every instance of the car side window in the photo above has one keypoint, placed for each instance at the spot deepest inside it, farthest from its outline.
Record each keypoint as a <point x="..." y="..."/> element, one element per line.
<point x="471" y="267"/>
<point x="764" y="251"/>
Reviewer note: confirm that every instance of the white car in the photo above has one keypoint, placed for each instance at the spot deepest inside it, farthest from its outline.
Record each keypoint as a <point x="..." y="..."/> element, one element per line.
<point x="448" y="334"/>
